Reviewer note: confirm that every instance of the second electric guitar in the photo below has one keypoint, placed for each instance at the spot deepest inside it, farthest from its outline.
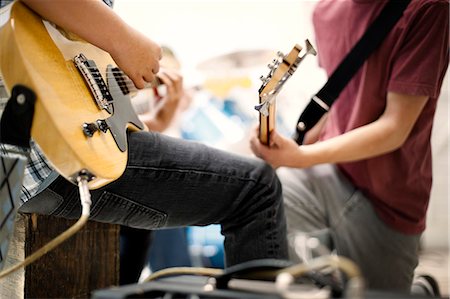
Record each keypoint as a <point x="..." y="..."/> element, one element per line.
<point x="281" y="69"/>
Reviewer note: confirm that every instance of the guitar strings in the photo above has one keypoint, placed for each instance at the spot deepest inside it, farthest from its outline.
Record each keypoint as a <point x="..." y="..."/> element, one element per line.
<point x="125" y="82"/>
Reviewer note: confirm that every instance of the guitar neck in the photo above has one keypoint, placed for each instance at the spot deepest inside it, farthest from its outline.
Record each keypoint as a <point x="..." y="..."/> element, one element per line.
<point x="266" y="124"/>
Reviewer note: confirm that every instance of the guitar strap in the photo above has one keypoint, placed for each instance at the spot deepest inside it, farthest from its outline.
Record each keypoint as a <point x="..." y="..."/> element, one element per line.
<point x="321" y="102"/>
<point x="15" y="134"/>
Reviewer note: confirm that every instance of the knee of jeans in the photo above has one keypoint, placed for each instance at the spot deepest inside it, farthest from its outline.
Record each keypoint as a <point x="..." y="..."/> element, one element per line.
<point x="273" y="182"/>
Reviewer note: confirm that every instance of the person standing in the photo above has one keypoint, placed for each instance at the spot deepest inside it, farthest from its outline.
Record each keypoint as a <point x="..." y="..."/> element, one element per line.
<point x="361" y="181"/>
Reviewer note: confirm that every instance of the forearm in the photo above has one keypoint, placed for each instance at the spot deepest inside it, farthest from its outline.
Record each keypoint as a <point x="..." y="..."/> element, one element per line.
<point x="154" y="123"/>
<point x="103" y="27"/>
<point x="162" y="120"/>
<point x="384" y="135"/>
<point x="165" y="117"/>
<point x="365" y="142"/>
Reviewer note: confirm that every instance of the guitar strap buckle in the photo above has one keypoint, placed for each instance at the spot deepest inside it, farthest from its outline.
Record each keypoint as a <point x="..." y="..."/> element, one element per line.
<point x="321" y="103"/>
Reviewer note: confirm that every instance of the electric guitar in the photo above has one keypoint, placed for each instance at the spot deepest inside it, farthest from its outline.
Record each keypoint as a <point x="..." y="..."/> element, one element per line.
<point x="281" y="69"/>
<point x="82" y="109"/>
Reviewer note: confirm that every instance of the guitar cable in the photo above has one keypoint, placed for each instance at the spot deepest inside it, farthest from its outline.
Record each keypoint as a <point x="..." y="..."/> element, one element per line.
<point x="85" y="198"/>
<point x="283" y="278"/>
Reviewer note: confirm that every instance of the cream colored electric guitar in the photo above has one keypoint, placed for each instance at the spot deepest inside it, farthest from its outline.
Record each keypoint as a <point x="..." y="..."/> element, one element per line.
<point x="281" y="69"/>
<point x="83" y="110"/>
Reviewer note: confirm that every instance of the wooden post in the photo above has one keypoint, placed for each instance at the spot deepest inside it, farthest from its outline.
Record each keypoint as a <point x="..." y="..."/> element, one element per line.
<point x="87" y="261"/>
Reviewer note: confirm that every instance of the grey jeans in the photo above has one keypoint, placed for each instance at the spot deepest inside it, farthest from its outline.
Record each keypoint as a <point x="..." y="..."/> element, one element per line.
<point x="170" y="182"/>
<point x="321" y="202"/>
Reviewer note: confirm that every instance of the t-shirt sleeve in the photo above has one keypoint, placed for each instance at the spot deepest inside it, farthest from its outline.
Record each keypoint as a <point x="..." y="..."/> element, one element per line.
<point x="421" y="62"/>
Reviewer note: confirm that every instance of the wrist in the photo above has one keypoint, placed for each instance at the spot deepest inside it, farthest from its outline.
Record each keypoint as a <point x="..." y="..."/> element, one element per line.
<point x="307" y="156"/>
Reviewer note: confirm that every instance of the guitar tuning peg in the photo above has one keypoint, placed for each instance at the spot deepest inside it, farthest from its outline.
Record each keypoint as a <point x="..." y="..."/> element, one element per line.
<point x="262" y="78"/>
<point x="270" y="66"/>
<point x="280" y="54"/>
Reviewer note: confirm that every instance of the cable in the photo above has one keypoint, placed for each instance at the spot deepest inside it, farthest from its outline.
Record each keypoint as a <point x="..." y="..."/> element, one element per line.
<point x="355" y="284"/>
<point x="85" y="198"/>
<point x="286" y="276"/>
<point x="184" y="270"/>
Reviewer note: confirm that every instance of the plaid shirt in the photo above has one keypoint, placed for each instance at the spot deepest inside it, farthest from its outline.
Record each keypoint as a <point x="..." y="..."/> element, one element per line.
<point x="37" y="170"/>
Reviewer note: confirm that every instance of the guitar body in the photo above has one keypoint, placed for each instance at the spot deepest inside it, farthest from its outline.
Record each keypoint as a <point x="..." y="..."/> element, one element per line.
<point x="42" y="60"/>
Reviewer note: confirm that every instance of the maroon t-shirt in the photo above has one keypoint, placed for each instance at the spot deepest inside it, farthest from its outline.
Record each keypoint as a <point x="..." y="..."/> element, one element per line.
<point x="411" y="60"/>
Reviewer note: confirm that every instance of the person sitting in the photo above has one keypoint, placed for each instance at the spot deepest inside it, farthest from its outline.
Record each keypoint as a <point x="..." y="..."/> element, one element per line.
<point x="168" y="182"/>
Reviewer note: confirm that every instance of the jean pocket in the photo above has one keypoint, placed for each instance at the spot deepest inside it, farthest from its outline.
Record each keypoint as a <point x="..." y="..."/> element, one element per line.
<point x="113" y="208"/>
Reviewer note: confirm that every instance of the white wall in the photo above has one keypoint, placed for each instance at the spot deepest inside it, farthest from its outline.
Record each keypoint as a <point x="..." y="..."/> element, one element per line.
<point x="200" y="29"/>
<point x="437" y="233"/>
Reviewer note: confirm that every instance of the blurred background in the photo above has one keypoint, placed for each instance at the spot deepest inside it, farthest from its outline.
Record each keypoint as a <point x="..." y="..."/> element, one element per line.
<point x="224" y="46"/>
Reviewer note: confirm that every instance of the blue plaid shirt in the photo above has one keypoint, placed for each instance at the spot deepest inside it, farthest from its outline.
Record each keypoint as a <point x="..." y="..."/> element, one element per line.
<point x="37" y="171"/>
<point x="38" y="168"/>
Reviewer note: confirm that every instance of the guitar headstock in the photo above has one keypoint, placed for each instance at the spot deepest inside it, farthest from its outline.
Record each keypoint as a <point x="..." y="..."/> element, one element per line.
<point x="280" y="70"/>
<point x="281" y="67"/>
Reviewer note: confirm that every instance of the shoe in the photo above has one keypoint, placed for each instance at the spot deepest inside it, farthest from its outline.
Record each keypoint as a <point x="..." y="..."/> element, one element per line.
<point x="426" y="285"/>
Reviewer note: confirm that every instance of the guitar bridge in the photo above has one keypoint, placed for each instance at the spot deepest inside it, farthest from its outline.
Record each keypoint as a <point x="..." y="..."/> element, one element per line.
<point x="88" y="69"/>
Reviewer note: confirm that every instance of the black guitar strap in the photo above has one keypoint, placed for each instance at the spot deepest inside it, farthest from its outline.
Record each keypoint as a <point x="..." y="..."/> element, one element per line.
<point x="372" y="38"/>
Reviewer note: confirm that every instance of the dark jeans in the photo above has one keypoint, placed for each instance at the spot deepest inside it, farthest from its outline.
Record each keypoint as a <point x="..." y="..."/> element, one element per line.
<point x="160" y="249"/>
<point x="171" y="182"/>
<point x="134" y="249"/>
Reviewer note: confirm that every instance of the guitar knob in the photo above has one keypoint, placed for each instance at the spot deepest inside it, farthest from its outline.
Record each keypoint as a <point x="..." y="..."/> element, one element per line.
<point x="89" y="129"/>
<point x="102" y="125"/>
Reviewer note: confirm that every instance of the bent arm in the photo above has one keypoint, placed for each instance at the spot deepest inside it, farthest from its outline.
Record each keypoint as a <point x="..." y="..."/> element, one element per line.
<point x="92" y="20"/>
<point x="384" y="135"/>
<point x="98" y="24"/>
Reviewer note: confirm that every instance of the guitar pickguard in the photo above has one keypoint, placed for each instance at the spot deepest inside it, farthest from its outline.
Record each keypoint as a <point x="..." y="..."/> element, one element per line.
<point x="118" y="122"/>
<point x="110" y="97"/>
